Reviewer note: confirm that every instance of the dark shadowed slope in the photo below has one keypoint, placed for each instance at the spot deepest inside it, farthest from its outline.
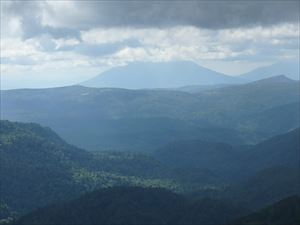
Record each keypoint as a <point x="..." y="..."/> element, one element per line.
<point x="286" y="211"/>
<point x="281" y="150"/>
<point x="257" y="175"/>
<point x="140" y="75"/>
<point x="267" y="186"/>
<point x="134" y="206"/>
<point x="219" y="158"/>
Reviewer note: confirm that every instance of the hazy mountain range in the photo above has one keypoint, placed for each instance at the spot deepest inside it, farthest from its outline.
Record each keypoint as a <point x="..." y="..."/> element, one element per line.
<point x="141" y="75"/>
<point x="140" y="120"/>
<point x="289" y="69"/>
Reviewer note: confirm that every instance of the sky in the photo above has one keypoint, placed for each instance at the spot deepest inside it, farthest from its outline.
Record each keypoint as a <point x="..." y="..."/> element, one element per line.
<point x="57" y="43"/>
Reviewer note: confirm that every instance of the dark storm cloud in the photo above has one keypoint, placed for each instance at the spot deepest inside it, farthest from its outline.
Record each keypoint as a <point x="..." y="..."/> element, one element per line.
<point x="205" y="14"/>
<point x="30" y="14"/>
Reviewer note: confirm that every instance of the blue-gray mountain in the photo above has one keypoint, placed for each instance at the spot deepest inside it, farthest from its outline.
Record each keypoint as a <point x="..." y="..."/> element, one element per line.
<point x="141" y="75"/>
<point x="288" y="68"/>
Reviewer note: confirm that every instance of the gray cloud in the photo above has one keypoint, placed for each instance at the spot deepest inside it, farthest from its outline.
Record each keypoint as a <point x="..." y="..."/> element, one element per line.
<point x="205" y="14"/>
<point x="30" y="15"/>
<point x="66" y="22"/>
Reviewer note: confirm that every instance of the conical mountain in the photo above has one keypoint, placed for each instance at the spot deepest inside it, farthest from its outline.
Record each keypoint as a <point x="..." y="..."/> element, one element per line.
<point x="139" y="75"/>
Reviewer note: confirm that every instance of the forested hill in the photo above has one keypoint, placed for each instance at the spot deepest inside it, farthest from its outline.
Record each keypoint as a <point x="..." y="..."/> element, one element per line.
<point x="38" y="168"/>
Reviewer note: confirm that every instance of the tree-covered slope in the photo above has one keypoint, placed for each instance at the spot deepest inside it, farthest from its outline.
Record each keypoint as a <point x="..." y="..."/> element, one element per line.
<point x="38" y="168"/>
<point x="34" y="161"/>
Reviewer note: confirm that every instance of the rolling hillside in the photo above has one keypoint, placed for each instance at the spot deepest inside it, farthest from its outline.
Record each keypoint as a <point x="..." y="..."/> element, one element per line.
<point x="50" y="171"/>
<point x="142" y="120"/>
<point x="38" y="168"/>
<point x="256" y="175"/>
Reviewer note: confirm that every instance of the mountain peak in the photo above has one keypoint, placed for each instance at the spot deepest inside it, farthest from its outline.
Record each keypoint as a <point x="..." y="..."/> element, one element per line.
<point x="141" y="75"/>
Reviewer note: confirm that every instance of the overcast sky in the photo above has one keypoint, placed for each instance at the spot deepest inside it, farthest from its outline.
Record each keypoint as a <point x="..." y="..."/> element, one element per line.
<point x="64" y="42"/>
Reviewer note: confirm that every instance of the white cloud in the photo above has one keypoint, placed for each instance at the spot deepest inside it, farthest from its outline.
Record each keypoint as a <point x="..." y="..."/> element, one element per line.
<point x="40" y="54"/>
<point x="193" y="43"/>
<point x="15" y="47"/>
<point x="62" y="42"/>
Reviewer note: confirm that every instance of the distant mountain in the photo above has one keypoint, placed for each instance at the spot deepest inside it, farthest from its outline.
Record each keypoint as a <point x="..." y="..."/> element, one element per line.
<point x="286" y="211"/>
<point x="289" y="69"/>
<point x="141" y="75"/>
<point x="134" y="206"/>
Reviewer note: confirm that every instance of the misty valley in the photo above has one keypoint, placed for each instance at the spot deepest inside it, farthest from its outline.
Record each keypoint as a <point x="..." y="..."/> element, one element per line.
<point x="216" y="154"/>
